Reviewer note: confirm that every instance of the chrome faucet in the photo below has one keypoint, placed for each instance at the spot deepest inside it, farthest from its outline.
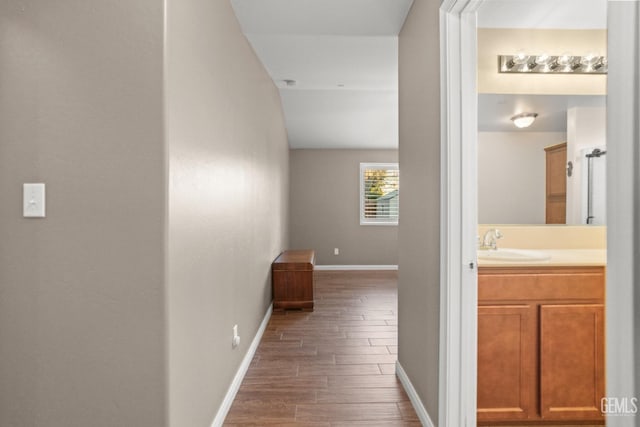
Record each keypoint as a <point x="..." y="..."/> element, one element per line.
<point x="489" y="241"/>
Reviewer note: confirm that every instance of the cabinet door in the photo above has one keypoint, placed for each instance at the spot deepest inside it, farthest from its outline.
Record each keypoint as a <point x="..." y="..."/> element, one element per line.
<point x="506" y="362"/>
<point x="571" y="361"/>
<point x="556" y="206"/>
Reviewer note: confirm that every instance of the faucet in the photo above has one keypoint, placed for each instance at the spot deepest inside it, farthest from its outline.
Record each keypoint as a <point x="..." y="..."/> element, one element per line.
<point x="489" y="241"/>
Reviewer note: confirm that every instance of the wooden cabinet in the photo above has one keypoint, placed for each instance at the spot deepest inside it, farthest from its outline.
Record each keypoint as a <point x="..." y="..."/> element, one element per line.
<point x="540" y="344"/>
<point x="506" y="385"/>
<point x="292" y="278"/>
<point x="556" y="188"/>
<point x="571" y="361"/>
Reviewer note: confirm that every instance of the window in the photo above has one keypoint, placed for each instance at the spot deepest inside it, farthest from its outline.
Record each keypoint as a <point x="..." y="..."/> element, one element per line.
<point x="379" y="197"/>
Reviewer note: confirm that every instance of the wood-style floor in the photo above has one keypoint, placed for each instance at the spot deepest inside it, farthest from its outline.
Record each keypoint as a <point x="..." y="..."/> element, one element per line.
<point x="334" y="366"/>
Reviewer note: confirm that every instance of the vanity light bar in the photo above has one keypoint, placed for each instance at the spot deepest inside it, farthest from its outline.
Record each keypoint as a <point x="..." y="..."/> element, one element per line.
<point x="546" y="64"/>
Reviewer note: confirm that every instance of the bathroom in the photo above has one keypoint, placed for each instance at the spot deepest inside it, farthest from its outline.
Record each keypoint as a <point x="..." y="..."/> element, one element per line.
<point x="541" y="210"/>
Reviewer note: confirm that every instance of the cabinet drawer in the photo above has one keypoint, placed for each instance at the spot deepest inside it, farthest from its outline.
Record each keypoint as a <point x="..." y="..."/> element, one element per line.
<point x="546" y="284"/>
<point x="572" y="286"/>
<point x="513" y="287"/>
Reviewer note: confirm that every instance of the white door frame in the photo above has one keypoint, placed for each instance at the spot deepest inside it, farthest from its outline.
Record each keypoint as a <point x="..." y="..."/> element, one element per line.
<point x="458" y="284"/>
<point x="623" y="206"/>
<point x="459" y="222"/>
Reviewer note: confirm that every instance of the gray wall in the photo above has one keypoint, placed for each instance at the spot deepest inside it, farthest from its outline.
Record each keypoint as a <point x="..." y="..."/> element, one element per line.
<point x="419" y="238"/>
<point x="82" y="291"/>
<point x="228" y="201"/>
<point x="512" y="176"/>
<point x="86" y="306"/>
<point x="324" y="200"/>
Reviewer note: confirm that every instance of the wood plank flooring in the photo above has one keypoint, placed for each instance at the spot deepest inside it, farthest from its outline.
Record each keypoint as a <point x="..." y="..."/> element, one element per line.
<point x="332" y="367"/>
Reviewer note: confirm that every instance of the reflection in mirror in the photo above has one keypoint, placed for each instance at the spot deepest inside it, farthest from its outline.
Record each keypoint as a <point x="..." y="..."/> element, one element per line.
<point x="518" y="182"/>
<point x="523" y="174"/>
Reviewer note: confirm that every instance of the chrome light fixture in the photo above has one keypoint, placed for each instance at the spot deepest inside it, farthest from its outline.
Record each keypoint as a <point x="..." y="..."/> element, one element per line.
<point x="524" y="120"/>
<point x="566" y="63"/>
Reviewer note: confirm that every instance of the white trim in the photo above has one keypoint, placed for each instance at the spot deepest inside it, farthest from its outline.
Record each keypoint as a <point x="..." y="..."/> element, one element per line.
<point x="623" y="211"/>
<point x="458" y="278"/>
<point x="623" y="206"/>
<point x="381" y="166"/>
<point x="469" y="226"/>
<point x="421" y="411"/>
<point x="218" y="421"/>
<point x="355" y="267"/>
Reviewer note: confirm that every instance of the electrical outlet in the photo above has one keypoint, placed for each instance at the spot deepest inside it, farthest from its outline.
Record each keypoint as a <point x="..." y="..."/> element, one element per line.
<point x="236" y="338"/>
<point x="336" y="251"/>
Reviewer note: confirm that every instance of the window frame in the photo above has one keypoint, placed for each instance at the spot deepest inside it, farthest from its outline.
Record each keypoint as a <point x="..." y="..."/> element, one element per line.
<point x="376" y="221"/>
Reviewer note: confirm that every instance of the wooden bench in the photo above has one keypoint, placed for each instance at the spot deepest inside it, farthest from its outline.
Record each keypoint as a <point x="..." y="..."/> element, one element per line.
<point x="292" y="278"/>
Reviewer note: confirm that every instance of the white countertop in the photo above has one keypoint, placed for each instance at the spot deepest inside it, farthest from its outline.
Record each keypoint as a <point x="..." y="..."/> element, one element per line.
<point x="559" y="258"/>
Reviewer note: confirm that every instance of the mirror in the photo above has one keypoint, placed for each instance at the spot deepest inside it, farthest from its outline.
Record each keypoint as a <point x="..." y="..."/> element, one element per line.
<point x="546" y="173"/>
<point x="516" y="173"/>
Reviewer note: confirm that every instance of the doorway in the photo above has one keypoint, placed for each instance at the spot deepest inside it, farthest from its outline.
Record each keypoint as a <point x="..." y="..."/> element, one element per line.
<point x="459" y="310"/>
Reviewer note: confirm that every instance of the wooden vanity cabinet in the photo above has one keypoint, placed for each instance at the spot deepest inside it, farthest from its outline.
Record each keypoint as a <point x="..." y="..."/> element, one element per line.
<point x="540" y="344"/>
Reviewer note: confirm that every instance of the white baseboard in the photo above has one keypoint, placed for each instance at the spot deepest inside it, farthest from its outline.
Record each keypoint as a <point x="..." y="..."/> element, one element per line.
<point x="355" y="267"/>
<point x="242" y="370"/>
<point x="421" y="411"/>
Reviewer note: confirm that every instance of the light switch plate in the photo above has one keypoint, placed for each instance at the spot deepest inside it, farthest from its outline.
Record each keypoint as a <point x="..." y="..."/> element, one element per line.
<point x="33" y="200"/>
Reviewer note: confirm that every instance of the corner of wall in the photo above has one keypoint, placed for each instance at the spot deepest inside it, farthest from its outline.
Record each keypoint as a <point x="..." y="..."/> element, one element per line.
<point x="421" y="411"/>
<point x="228" y="201"/>
<point x="419" y="228"/>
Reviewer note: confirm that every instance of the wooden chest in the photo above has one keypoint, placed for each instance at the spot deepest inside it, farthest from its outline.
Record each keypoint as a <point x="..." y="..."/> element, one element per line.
<point x="292" y="278"/>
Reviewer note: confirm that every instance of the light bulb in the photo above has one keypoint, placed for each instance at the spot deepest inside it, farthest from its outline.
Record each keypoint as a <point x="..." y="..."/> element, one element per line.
<point x="565" y="59"/>
<point x="520" y="58"/>
<point x="590" y="58"/>
<point x="543" y="59"/>
<point x="524" y="120"/>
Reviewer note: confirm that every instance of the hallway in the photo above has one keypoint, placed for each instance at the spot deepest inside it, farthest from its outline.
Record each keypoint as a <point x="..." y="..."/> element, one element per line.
<point x="334" y="366"/>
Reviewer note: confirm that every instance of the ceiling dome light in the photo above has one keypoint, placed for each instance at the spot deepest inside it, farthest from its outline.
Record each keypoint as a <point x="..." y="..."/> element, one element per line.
<point x="524" y="120"/>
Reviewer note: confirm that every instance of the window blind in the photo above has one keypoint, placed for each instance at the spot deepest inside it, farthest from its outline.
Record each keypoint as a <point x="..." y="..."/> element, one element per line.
<point x="379" y="193"/>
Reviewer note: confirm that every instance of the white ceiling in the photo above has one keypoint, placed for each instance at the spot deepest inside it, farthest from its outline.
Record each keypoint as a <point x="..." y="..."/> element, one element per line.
<point x="495" y="111"/>
<point x="343" y="56"/>
<point x="341" y="118"/>
<point x="322" y="17"/>
<point x="323" y="62"/>
<point x="543" y="14"/>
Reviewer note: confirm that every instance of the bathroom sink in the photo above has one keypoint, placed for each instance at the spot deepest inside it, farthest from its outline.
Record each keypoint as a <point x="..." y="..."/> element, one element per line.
<point x="513" y="255"/>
